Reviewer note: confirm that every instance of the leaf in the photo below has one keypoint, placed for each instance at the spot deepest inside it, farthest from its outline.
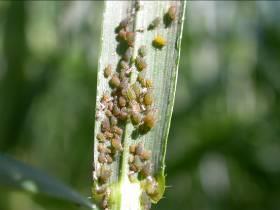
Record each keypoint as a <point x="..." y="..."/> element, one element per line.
<point x="16" y="174"/>
<point x="162" y="69"/>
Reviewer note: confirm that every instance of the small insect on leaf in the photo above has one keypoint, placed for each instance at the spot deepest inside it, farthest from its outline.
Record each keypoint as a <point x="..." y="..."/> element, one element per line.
<point x="130" y="38"/>
<point x="159" y="42"/>
<point x="142" y="51"/>
<point x="140" y="63"/>
<point x="115" y="81"/>
<point x="108" y="71"/>
<point x="171" y="13"/>
<point x="155" y="23"/>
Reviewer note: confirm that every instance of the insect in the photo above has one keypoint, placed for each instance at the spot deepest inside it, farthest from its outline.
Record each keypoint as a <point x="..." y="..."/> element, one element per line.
<point x="149" y="120"/>
<point x="116" y="143"/>
<point x="117" y="130"/>
<point x="130" y="94"/>
<point x="104" y="174"/>
<point x="140" y="63"/>
<point x="146" y="155"/>
<point x="108" y="71"/>
<point x="113" y="120"/>
<point x="155" y="23"/>
<point x="136" y="88"/>
<point x="130" y="38"/>
<point x="122" y="101"/>
<point x="116" y="110"/>
<point x="139" y="149"/>
<point x="100" y="137"/>
<point x="135" y="118"/>
<point x="123" y="114"/>
<point x="102" y="158"/>
<point x="132" y="148"/>
<point x="149" y="83"/>
<point x="128" y="54"/>
<point x="105" y="125"/>
<point x="146" y="169"/>
<point x="115" y="81"/>
<point x="171" y="13"/>
<point x="142" y="51"/>
<point x="148" y="98"/>
<point x="159" y="42"/>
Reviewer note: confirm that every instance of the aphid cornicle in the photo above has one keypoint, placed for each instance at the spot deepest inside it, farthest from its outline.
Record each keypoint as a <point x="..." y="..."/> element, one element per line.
<point x="108" y="71"/>
<point x="155" y="23"/>
<point x="142" y="51"/>
<point x="149" y="120"/>
<point x="115" y="81"/>
<point x="159" y="42"/>
<point x="140" y="63"/>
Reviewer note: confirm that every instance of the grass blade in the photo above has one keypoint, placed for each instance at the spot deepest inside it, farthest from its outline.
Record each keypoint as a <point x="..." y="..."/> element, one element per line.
<point x="162" y="69"/>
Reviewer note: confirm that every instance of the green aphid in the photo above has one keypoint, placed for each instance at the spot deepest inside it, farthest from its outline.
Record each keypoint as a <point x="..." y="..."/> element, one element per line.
<point x="142" y="51"/>
<point x="140" y="63"/>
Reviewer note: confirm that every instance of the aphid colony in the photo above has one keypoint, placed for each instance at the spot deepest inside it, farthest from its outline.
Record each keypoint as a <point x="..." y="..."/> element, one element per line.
<point x="127" y="102"/>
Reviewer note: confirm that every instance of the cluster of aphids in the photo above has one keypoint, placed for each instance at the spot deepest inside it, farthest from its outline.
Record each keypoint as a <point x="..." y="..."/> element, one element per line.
<point x="127" y="102"/>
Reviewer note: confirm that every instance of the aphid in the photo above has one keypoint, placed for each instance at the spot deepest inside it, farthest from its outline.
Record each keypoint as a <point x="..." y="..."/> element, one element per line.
<point x="103" y="149"/>
<point x="117" y="130"/>
<point x="102" y="158"/>
<point x="113" y="120"/>
<point x="132" y="167"/>
<point x="100" y="137"/>
<point x="141" y="79"/>
<point x="124" y="83"/>
<point x="115" y="81"/>
<point x="110" y="106"/>
<point x="130" y="94"/>
<point x="139" y="149"/>
<point x="159" y="42"/>
<point x="132" y="148"/>
<point x="124" y="65"/>
<point x="116" y="110"/>
<point x="148" y="99"/>
<point x="108" y="113"/>
<point x="108" y="71"/>
<point x="151" y="186"/>
<point x="130" y="38"/>
<point x="149" y="83"/>
<point x="106" y="97"/>
<point x="137" y="163"/>
<point x="105" y="125"/>
<point x="171" y="13"/>
<point x="136" y="88"/>
<point x="131" y="159"/>
<point x="116" y="143"/>
<point x="128" y="54"/>
<point x="104" y="174"/>
<point x="135" y="118"/>
<point x="134" y="106"/>
<point x="123" y="114"/>
<point x="132" y="177"/>
<point x="155" y="23"/>
<point x="108" y="134"/>
<point x="109" y="159"/>
<point x="146" y="155"/>
<point x="149" y="120"/>
<point x="146" y="169"/>
<point x="122" y="101"/>
<point x="140" y="63"/>
<point x="142" y="51"/>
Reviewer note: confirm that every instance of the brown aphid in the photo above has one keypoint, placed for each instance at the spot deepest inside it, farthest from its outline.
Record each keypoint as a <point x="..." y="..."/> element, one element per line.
<point x="117" y="130"/>
<point x="137" y="163"/>
<point x="104" y="174"/>
<point x="122" y="101"/>
<point x="130" y="38"/>
<point x="130" y="159"/>
<point x="113" y="120"/>
<point x="108" y="134"/>
<point x="148" y="99"/>
<point x="128" y="54"/>
<point x="100" y="137"/>
<point x="140" y="63"/>
<point x="116" y="143"/>
<point x="134" y="106"/>
<point x="146" y="155"/>
<point x="102" y="158"/>
<point x="105" y="125"/>
<point x="135" y="118"/>
<point x="139" y="149"/>
<point x="159" y="42"/>
<point x="146" y="169"/>
<point x="108" y="113"/>
<point x="103" y="149"/>
<point x="132" y="148"/>
<point x="108" y="71"/>
<point x="109" y="159"/>
<point x="149" y="120"/>
<point x="137" y="89"/>
<point x="123" y="114"/>
<point x="116" y="110"/>
<point x="106" y="97"/>
<point x="149" y="83"/>
<point x="171" y="13"/>
<point x="142" y="51"/>
<point x="115" y="81"/>
<point x="132" y="167"/>
<point x="122" y="78"/>
<point x="155" y="23"/>
<point x="110" y="106"/>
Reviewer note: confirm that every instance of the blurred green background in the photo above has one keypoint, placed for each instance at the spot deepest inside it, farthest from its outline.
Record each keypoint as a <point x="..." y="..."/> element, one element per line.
<point x="224" y="148"/>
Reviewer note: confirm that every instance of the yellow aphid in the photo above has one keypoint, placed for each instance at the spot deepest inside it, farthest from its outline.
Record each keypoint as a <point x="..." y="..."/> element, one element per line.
<point x="159" y="41"/>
